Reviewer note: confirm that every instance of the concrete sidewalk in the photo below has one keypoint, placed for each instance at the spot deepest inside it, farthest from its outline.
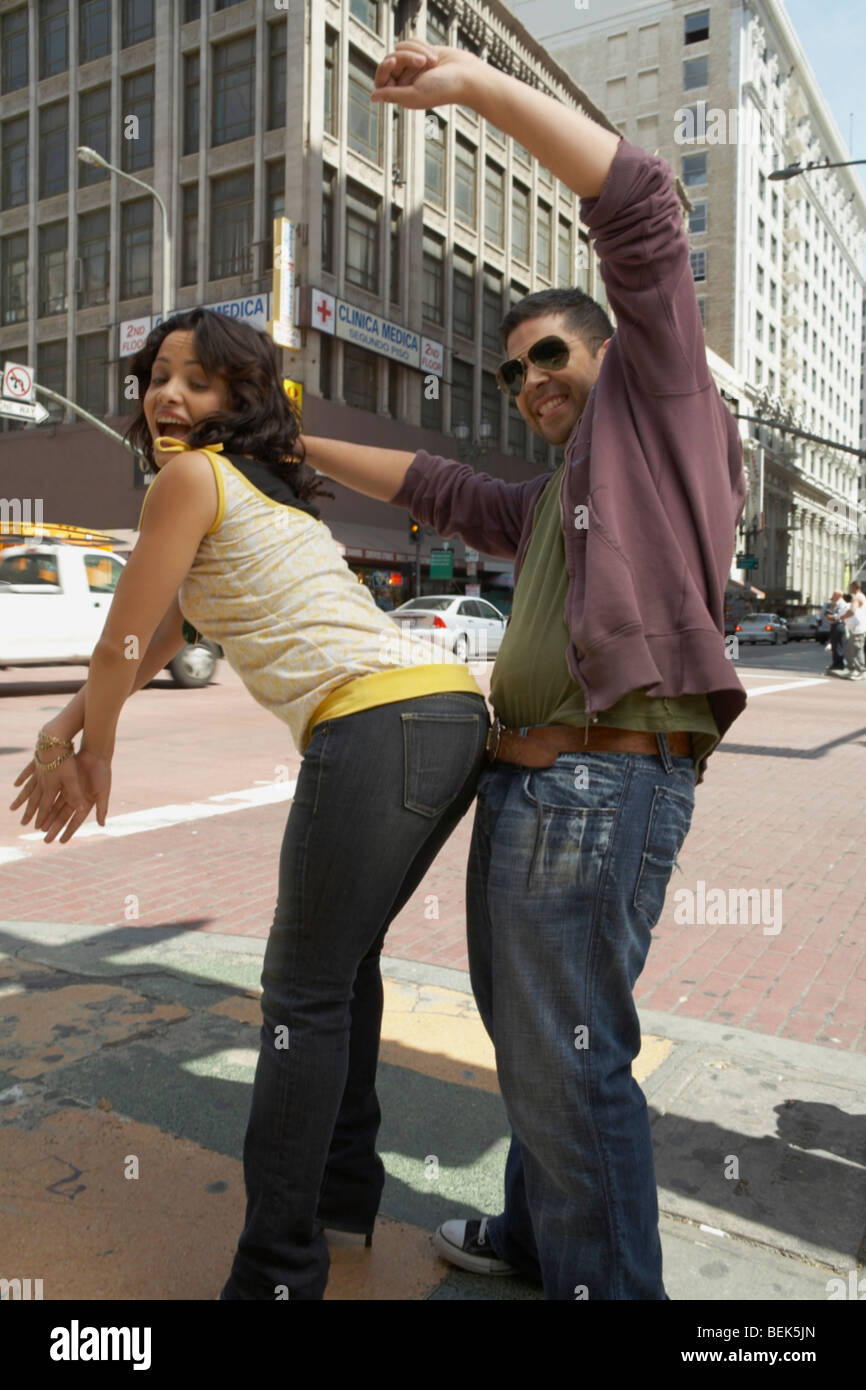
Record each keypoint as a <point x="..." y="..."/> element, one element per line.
<point x="126" y="1058"/>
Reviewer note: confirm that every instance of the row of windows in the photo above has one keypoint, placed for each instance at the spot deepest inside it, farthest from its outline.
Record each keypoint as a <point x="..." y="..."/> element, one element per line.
<point x="360" y="388"/>
<point x="362" y="258"/>
<point x="52" y="17"/>
<point x="230" y="250"/>
<point x="232" y="118"/>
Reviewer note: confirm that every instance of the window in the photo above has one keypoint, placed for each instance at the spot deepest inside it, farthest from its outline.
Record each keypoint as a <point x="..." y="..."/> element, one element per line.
<point x="771" y="338"/>
<point x="51" y="372"/>
<point x="15" y="147"/>
<point x="231" y="225"/>
<point x="328" y="224"/>
<point x="696" y="73"/>
<point x="697" y="27"/>
<point x="94" y="116"/>
<point x="774" y="204"/>
<point x="13" y="279"/>
<point x="465" y="179"/>
<point x="520" y="222"/>
<point x="94" y="257"/>
<point x="364" y="124"/>
<point x="191" y="11"/>
<point x="464" y="294"/>
<point x="191" y="102"/>
<point x="91" y="376"/>
<point x="542" y="240"/>
<point x="698" y="219"/>
<point x="437" y="27"/>
<point x="434" y="278"/>
<point x="694" y="170"/>
<point x="94" y="29"/>
<point x="136" y="241"/>
<point x="774" y="250"/>
<point x="491" y="408"/>
<point x="53" y="37"/>
<point x="362" y="238"/>
<point x="772" y="294"/>
<point x="759" y="326"/>
<point x="564" y="255"/>
<point x="397" y="128"/>
<point x="431" y="405"/>
<point x="326" y="366"/>
<point x="494" y="204"/>
<point x="189" y="234"/>
<point x="491" y="309"/>
<point x="759" y="370"/>
<point x="702" y="309"/>
<point x="762" y="187"/>
<point x="516" y="430"/>
<point x="462" y="394"/>
<point x="331" y="88"/>
<point x="234" y="75"/>
<point x="761" y="230"/>
<point x="394" y="285"/>
<point x="137" y="142"/>
<point x="275" y="206"/>
<point x="13" y="50"/>
<point x="434" y="159"/>
<point x="359" y="377"/>
<point x="136" y="22"/>
<point x="53" y="149"/>
<point x="367" y="11"/>
<point x="698" y="260"/>
<point x="760" y="279"/>
<point x="276" y="76"/>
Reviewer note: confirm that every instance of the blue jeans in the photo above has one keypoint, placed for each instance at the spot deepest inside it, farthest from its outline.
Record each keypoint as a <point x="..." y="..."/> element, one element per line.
<point x="567" y="875"/>
<point x="378" y="794"/>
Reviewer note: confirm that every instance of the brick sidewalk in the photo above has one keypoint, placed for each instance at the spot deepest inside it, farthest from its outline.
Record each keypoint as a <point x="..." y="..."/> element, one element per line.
<point x="778" y="810"/>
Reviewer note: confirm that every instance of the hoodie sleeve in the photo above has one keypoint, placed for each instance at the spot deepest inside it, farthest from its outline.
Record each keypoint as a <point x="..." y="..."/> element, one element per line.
<point x="636" y="225"/>
<point x="485" y="512"/>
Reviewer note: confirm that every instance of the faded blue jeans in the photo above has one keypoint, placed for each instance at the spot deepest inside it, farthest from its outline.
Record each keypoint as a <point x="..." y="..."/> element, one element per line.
<point x="378" y="794"/>
<point x="567" y="873"/>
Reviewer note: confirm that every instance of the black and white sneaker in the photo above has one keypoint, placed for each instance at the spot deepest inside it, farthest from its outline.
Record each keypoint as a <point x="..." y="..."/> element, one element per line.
<point x="466" y="1243"/>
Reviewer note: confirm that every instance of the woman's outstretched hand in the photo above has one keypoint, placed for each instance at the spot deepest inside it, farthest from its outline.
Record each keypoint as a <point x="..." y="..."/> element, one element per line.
<point x="418" y="76"/>
<point x="62" y="800"/>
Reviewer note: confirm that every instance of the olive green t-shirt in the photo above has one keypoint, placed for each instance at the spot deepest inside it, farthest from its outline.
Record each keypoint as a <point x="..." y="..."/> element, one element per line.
<point x="531" y="683"/>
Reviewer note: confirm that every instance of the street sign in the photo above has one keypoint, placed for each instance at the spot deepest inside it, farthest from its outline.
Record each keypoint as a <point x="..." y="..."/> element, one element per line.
<point x="23" y="410"/>
<point x="441" y="564"/>
<point x="17" y="381"/>
<point x="747" y="562"/>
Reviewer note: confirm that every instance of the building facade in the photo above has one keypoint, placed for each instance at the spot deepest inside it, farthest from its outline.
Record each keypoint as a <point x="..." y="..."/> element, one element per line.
<point x="428" y="225"/>
<point x="725" y="92"/>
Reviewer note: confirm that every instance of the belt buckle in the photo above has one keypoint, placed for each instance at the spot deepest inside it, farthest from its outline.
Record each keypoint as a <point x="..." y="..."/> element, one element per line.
<point x="494" y="734"/>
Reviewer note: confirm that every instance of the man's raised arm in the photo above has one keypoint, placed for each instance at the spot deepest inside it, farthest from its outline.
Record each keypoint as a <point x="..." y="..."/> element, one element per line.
<point x="377" y="472"/>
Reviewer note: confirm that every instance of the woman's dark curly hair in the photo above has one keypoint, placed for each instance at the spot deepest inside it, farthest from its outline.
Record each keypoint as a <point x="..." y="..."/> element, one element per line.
<point x="260" y="421"/>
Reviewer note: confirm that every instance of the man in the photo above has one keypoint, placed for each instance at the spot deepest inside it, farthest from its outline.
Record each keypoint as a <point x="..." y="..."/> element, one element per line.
<point x="837" y="633"/>
<point x="612" y="684"/>
<point x="854" y="617"/>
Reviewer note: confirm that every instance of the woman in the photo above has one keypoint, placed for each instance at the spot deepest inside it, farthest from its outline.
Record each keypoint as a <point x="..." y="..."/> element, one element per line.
<point x="392" y="744"/>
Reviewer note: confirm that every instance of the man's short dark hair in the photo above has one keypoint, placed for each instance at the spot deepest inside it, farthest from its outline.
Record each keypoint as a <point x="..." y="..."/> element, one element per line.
<point x="584" y="317"/>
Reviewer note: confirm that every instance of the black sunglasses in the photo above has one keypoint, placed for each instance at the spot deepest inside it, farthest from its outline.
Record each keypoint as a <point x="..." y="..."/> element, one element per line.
<point x="550" y="354"/>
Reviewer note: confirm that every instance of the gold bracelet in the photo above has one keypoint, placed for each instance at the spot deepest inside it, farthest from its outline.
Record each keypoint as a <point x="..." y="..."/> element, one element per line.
<point x="44" y="740"/>
<point x="49" y="767"/>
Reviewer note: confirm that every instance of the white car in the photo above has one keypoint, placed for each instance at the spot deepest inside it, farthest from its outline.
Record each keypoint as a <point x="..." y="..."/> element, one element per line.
<point x="471" y="627"/>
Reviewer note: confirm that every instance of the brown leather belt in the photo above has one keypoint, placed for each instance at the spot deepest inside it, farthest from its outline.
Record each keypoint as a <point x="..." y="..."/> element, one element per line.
<point x="543" y="744"/>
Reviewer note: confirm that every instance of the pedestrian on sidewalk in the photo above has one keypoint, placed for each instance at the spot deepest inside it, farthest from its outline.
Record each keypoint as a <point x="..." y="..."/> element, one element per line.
<point x="854" y="617"/>
<point x="392" y="744"/>
<point x="837" y="631"/>
<point x="611" y="687"/>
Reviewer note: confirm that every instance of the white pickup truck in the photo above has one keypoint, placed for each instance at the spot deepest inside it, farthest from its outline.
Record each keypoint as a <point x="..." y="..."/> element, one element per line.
<point x="54" y="599"/>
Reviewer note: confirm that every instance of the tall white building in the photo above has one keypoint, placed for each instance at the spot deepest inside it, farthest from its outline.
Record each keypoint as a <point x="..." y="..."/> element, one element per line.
<point x="725" y="92"/>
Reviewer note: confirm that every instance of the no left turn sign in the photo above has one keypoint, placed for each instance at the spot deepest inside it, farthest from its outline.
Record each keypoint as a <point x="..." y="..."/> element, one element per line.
<point x="17" y="381"/>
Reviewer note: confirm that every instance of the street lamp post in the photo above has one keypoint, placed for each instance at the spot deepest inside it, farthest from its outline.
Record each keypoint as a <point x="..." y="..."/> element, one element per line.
<point x="793" y="170"/>
<point x="470" y="452"/>
<point x="89" y="156"/>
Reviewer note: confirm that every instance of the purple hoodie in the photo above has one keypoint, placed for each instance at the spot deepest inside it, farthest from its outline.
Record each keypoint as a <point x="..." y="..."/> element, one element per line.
<point x="653" y="485"/>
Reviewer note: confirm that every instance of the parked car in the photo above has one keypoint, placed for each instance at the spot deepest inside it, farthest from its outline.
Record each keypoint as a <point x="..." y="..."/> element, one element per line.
<point x="802" y="627"/>
<point x="54" y="599"/>
<point x="471" y="627"/>
<point x="761" y="627"/>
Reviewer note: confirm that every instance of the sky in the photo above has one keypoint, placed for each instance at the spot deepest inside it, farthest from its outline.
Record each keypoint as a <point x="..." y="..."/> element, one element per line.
<point x="832" y="34"/>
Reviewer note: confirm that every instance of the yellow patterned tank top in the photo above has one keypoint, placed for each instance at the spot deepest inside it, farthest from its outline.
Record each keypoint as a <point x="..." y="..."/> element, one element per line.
<point x="270" y="585"/>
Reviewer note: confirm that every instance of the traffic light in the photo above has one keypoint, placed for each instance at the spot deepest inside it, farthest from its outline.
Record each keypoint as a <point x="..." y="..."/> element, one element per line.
<point x="414" y="531"/>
